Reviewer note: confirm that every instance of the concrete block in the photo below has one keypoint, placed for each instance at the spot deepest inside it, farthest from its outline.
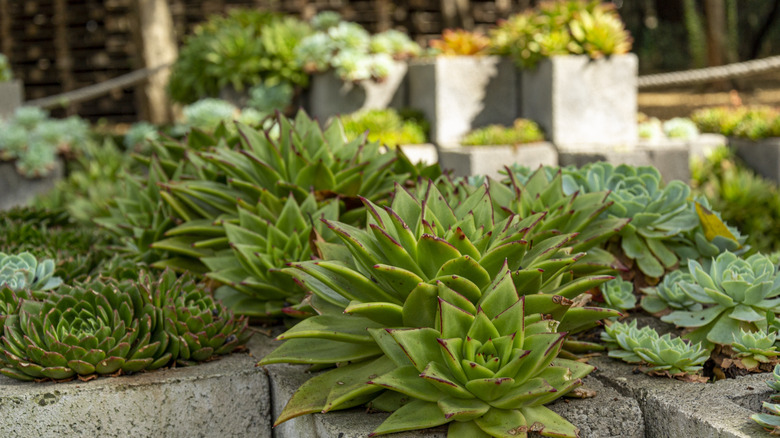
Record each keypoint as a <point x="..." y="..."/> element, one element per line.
<point x="421" y="153"/>
<point x="329" y="95"/>
<point x="460" y="93"/>
<point x="703" y="145"/>
<point x="693" y="410"/>
<point x="582" y="102"/>
<point x="11" y="97"/>
<point x="17" y="190"/>
<point x="671" y="159"/>
<point x="228" y="397"/>
<point x="489" y="160"/>
<point x="763" y="156"/>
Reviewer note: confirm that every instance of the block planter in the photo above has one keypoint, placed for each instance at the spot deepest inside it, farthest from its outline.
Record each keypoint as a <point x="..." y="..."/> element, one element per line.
<point x="581" y="102"/>
<point x="16" y="190"/>
<point x="228" y="397"/>
<point x="763" y="156"/>
<point x="329" y="95"/>
<point x="670" y="157"/>
<point x="460" y="93"/>
<point x="11" y="97"/>
<point x="489" y="160"/>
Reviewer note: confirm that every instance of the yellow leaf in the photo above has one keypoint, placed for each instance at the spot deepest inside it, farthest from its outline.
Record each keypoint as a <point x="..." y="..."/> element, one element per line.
<point x="712" y="224"/>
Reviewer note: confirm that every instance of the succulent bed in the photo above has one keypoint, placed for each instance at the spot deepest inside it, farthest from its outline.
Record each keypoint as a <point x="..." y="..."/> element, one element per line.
<point x="464" y="303"/>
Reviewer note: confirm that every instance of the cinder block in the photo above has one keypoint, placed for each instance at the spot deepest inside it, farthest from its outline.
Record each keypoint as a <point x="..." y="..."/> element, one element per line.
<point x="581" y="102"/>
<point x="228" y="397"/>
<point x="17" y="190"/>
<point x="11" y="97"/>
<point x="460" y="93"/>
<point x="763" y="156"/>
<point x="489" y="160"/>
<point x="693" y="410"/>
<point x="671" y="159"/>
<point x="329" y="95"/>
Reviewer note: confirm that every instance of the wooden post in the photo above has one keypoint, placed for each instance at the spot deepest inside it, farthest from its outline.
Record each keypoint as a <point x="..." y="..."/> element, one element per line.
<point x="156" y="45"/>
<point x="64" y="58"/>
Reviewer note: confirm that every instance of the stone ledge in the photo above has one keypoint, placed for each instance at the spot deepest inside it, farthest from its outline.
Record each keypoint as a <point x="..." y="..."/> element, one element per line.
<point x="680" y="409"/>
<point x="489" y="160"/>
<point x="228" y="397"/>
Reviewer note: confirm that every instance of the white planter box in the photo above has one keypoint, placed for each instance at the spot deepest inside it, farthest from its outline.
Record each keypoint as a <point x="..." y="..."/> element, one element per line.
<point x="11" y="97"/>
<point x="460" y="93"/>
<point x="582" y="102"/>
<point x="330" y="96"/>
<point x="17" y="190"/>
<point x="763" y="156"/>
<point x="421" y="153"/>
<point x="489" y="160"/>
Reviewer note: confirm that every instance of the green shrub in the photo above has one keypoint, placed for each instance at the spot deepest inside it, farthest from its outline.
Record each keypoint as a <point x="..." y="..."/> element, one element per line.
<point x="754" y="122"/>
<point x="744" y="199"/>
<point x="243" y="49"/>
<point x="522" y="131"/>
<point x="387" y="127"/>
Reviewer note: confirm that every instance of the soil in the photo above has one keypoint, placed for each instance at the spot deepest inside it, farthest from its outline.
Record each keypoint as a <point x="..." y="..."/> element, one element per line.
<point x="666" y="103"/>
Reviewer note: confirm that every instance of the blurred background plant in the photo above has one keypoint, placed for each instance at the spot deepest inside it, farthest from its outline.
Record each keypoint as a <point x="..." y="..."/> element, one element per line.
<point x="521" y="131"/>
<point x="5" y="69"/>
<point x="388" y="126"/>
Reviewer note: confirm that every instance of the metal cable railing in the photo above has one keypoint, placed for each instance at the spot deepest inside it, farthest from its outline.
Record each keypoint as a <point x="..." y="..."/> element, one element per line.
<point x="708" y="74"/>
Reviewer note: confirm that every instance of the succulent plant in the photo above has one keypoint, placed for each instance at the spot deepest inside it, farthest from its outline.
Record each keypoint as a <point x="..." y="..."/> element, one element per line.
<point x="23" y="271"/>
<point x="385" y="126"/>
<point x="196" y="326"/>
<point x="770" y="421"/>
<point x="325" y="20"/>
<point x="650" y="128"/>
<point x="91" y="328"/>
<point x="711" y="237"/>
<point x="674" y="357"/>
<point x="600" y="31"/>
<point x="394" y="43"/>
<point x="245" y="48"/>
<point x="10" y="302"/>
<point x="268" y="98"/>
<point x="618" y="294"/>
<point x="736" y="294"/>
<point x="658" y="213"/>
<point x="754" y="348"/>
<point x="413" y="254"/>
<point x="669" y="295"/>
<point x="459" y="42"/>
<point x="140" y="135"/>
<point x="521" y="131"/>
<point x="680" y="127"/>
<point x="482" y="373"/>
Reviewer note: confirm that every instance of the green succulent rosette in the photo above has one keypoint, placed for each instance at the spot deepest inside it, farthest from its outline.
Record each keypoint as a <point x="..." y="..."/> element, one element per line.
<point x="23" y="271"/>
<point x="92" y="328"/>
<point x="751" y="349"/>
<point x="487" y="373"/>
<point x="618" y="294"/>
<point x="735" y="293"/>
<point x="669" y="295"/>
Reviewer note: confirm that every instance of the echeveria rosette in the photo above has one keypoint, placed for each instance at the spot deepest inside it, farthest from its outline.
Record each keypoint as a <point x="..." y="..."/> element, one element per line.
<point x="92" y="328"/>
<point x="658" y="212"/>
<point x="752" y="349"/>
<point x="23" y="271"/>
<point x="669" y="295"/>
<point x="711" y="237"/>
<point x="769" y="421"/>
<point x="736" y="294"/>
<point x="618" y="294"/>
<point x="664" y="355"/>
<point x="485" y="374"/>
<point x="10" y="303"/>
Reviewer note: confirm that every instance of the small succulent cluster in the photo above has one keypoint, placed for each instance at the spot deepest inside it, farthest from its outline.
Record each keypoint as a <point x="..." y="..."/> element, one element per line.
<point x="562" y="28"/>
<point x="33" y="140"/>
<point x="351" y="51"/>
<point x="105" y="327"/>
<point x="651" y="128"/>
<point x="618" y="294"/>
<point x="664" y="355"/>
<point x="460" y="42"/>
<point x="669" y="295"/>
<point x="23" y="271"/>
<point x="207" y="114"/>
<point x="245" y="48"/>
<point x="753" y="122"/>
<point x="386" y="126"/>
<point x="140" y="136"/>
<point x="752" y="350"/>
<point x="771" y="421"/>
<point x="522" y="131"/>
